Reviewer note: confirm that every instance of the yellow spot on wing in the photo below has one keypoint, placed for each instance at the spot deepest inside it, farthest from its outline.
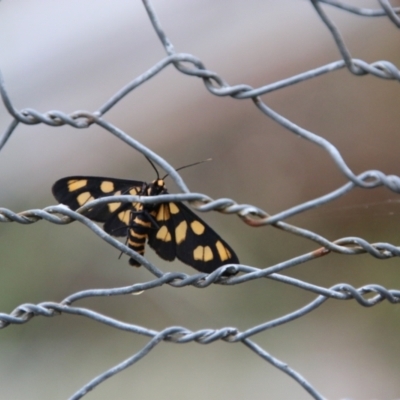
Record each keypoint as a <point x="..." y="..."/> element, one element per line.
<point x="208" y="254"/>
<point x="133" y="191"/>
<point x="125" y="217"/>
<point x="113" y="206"/>
<point x="203" y="253"/>
<point x="163" y="213"/>
<point x="84" y="197"/>
<point x="163" y="234"/>
<point x="224" y="253"/>
<point x="107" y="187"/>
<point x="180" y="232"/>
<point x="173" y="208"/>
<point x="137" y="206"/>
<point x="197" y="227"/>
<point x="75" y="184"/>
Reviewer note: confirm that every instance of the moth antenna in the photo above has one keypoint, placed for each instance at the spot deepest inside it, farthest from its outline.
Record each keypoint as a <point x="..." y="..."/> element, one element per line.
<point x="154" y="167"/>
<point x="190" y="165"/>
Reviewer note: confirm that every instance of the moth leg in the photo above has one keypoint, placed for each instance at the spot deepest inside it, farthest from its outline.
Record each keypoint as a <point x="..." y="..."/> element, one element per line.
<point x="154" y="224"/>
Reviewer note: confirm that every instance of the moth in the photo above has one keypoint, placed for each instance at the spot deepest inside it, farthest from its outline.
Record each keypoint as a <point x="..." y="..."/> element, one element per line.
<point x="171" y="228"/>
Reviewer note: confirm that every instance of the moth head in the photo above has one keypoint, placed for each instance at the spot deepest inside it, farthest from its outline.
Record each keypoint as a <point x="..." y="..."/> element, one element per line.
<point x="156" y="187"/>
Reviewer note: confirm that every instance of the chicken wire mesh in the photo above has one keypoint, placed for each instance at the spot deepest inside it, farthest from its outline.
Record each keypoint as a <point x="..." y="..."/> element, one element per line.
<point x="188" y="64"/>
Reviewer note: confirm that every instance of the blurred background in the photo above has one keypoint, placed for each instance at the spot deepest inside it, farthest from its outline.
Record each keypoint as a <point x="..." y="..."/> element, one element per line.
<point x="74" y="56"/>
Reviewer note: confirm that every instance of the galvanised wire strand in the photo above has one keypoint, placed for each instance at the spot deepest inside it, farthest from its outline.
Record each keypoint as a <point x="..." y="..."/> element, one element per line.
<point x="391" y="12"/>
<point x="221" y="334"/>
<point x="349" y="245"/>
<point x="192" y="66"/>
<point x="183" y="335"/>
<point x="365" y="12"/>
<point x="58" y="118"/>
<point x="368" y="179"/>
<point x="362" y="295"/>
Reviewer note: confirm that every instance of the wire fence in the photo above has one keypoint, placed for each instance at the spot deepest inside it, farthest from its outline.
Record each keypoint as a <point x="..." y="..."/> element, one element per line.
<point x="188" y="64"/>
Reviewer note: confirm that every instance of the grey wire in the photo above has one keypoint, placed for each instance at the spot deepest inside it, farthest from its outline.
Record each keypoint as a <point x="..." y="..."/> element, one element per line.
<point x="365" y="296"/>
<point x="181" y="335"/>
<point x="391" y="12"/>
<point x="365" y="12"/>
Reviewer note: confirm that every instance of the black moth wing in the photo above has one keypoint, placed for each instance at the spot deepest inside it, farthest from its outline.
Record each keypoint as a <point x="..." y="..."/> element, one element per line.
<point x="182" y="234"/>
<point x="75" y="191"/>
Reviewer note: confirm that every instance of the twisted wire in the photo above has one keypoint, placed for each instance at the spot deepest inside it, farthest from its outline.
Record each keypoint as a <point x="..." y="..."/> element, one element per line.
<point x="181" y="335"/>
<point x="365" y="296"/>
